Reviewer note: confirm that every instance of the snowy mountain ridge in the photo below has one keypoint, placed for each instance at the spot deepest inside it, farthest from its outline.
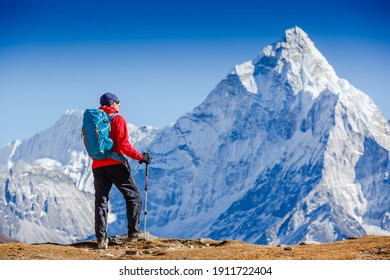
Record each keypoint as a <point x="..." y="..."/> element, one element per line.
<point x="281" y="151"/>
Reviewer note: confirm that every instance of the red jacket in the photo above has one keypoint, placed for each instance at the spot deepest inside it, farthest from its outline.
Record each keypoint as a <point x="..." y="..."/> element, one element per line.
<point x="120" y="136"/>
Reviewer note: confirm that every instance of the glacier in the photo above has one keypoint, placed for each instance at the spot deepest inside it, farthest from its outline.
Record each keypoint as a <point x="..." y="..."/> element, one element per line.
<point x="281" y="151"/>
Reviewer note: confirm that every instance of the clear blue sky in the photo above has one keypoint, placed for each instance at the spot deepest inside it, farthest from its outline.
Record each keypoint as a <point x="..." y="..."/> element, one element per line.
<point x="162" y="58"/>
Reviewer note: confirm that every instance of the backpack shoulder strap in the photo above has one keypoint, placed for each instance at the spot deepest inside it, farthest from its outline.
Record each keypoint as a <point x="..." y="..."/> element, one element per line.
<point x="111" y="116"/>
<point x="112" y="154"/>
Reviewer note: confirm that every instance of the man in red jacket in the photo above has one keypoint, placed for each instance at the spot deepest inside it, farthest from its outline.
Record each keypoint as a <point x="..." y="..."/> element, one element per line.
<point x="109" y="171"/>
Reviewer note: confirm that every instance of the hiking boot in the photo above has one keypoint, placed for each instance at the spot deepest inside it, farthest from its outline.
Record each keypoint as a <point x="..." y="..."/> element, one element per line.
<point x="134" y="237"/>
<point x="140" y="236"/>
<point x="102" y="243"/>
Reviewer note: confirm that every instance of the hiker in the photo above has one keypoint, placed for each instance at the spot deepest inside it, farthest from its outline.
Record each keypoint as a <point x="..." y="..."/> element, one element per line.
<point x="115" y="171"/>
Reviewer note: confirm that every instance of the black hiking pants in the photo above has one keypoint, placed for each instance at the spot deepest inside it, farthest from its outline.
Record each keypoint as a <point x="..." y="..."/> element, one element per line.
<point x="120" y="176"/>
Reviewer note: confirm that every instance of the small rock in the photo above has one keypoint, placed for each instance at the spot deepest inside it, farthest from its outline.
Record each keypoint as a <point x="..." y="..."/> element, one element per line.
<point x="132" y="252"/>
<point x="204" y="241"/>
<point x="309" y="243"/>
<point x="352" y="237"/>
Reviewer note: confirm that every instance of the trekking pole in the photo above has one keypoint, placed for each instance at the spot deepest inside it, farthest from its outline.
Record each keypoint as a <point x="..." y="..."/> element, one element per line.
<point x="146" y="198"/>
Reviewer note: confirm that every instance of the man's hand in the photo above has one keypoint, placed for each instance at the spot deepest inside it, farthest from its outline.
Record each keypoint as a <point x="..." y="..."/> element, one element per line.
<point x="146" y="158"/>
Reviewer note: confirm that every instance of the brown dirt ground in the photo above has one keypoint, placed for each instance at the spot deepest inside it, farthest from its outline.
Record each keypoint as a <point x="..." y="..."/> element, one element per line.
<point x="364" y="248"/>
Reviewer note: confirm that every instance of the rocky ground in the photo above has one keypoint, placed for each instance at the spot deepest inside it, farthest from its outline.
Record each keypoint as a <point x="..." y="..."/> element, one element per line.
<point x="364" y="248"/>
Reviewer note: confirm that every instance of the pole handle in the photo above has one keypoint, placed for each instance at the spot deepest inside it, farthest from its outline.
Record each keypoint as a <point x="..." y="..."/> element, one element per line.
<point x="147" y="170"/>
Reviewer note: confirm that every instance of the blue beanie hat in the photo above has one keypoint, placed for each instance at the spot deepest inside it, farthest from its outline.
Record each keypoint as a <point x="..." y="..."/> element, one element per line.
<point x="108" y="99"/>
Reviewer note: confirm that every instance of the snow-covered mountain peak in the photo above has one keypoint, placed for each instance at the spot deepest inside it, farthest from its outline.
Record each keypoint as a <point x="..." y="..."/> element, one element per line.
<point x="281" y="151"/>
<point x="295" y="61"/>
<point x="305" y="68"/>
<point x="298" y="38"/>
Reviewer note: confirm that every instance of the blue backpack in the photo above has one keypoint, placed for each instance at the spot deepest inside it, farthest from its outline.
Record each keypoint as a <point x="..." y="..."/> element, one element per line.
<point x="96" y="132"/>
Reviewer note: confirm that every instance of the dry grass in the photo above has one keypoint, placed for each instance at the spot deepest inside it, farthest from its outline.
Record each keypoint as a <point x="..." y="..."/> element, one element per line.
<point x="364" y="248"/>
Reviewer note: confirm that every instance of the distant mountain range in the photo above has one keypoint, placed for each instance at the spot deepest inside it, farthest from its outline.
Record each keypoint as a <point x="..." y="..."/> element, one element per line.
<point x="281" y="151"/>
